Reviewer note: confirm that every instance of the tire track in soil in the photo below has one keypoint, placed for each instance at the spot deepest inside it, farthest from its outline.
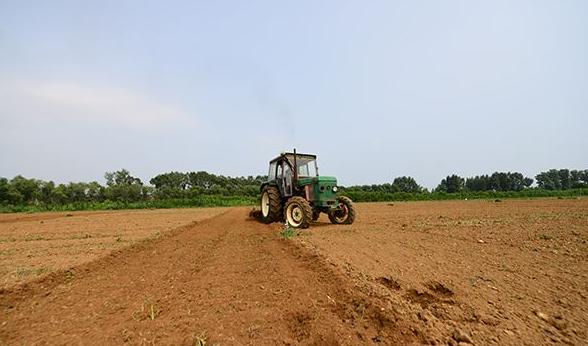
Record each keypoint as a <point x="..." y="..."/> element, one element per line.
<point x="231" y="280"/>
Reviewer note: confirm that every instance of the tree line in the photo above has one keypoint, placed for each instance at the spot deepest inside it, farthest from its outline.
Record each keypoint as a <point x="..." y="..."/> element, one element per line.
<point x="206" y="189"/>
<point x="121" y="186"/>
<point x="553" y="179"/>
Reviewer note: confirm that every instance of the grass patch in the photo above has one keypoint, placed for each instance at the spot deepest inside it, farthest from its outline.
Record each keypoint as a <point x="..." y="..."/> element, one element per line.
<point x="545" y="237"/>
<point x="24" y="272"/>
<point x="34" y="237"/>
<point x="288" y="232"/>
<point x="7" y="252"/>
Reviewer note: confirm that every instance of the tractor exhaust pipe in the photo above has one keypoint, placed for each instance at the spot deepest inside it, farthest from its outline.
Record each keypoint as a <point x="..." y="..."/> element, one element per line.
<point x="295" y="167"/>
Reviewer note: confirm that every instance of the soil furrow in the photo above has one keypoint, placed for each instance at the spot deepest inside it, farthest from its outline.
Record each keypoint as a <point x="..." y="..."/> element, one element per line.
<point x="227" y="280"/>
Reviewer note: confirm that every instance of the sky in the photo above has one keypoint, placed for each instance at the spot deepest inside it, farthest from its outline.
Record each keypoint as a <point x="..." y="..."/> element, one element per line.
<point x="377" y="89"/>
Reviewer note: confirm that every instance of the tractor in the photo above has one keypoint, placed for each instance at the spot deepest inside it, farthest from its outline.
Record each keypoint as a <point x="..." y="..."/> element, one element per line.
<point x="297" y="194"/>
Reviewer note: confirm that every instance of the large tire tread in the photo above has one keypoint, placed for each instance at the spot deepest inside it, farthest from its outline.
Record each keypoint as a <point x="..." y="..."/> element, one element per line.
<point x="306" y="210"/>
<point x="275" y="205"/>
<point x="351" y="211"/>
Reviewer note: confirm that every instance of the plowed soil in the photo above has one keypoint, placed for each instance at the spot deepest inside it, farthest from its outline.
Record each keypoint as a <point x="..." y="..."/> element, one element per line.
<point x="35" y="244"/>
<point x="480" y="272"/>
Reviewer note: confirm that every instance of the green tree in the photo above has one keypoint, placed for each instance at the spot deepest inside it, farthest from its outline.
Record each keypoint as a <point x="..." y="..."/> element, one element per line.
<point x="583" y="175"/>
<point x="172" y="184"/>
<point x="122" y="186"/>
<point x="75" y="192"/>
<point x="4" y="187"/>
<point x="406" y="184"/>
<point x="451" y="184"/>
<point x="172" y="180"/>
<point x="578" y="178"/>
<point x="548" y="180"/>
<point x="122" y="177"/>
<point x="527" y="182"/>
<point x="565" y="179"/>
<point x="28" y="189"/>
<point x="478" y="183"/>
<point x="95" y="191"/>
<point x="558" y="179"/>
<point x="46" y="193"/>
<point x="498" y="181"/>
<point x="59" y="194"/>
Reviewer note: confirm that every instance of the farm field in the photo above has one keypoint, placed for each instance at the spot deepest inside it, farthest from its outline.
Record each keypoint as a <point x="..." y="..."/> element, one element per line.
<point x="476" y="272"/>
<point x="501" y="272"/>
<point x="39" y="243"/>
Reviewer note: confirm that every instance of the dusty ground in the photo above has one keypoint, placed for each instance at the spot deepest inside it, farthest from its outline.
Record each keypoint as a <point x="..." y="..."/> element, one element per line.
<point x="505" y="272"/>
<point x="481" y="272"/>
<point x="39" y="243"/>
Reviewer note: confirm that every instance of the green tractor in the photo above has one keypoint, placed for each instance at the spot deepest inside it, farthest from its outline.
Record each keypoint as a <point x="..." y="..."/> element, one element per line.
<point x="295" y="193"/>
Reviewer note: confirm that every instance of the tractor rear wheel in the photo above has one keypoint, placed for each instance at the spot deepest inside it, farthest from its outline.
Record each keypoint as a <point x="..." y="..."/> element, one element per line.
<point x="298" y="213"/>
<point x="271" y="204"/>
<point x="346" y="212"/>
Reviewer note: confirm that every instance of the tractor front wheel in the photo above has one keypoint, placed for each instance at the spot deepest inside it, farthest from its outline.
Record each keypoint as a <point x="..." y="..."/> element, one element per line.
<point x="271" y="204"/>
<point x="298" y="213"/>
<point x="345" y="214"/>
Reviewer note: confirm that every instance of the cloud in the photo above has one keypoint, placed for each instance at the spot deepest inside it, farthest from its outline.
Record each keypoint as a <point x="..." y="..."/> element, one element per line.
<point x="104" y="105"/>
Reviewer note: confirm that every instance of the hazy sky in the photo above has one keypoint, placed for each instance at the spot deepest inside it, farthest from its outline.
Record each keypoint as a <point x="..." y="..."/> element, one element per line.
<point x="377" y="89"/>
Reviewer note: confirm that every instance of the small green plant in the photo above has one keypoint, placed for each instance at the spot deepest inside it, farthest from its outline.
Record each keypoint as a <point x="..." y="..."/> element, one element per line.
<point x="201" y="340"/>
<point x="33" y="237"/>
<point x="288" y="232"/>
<point x="69" y="275"/>
<point x="148" y="310"/>
<point x="28" y="271"/>
<point x="546" y="237"/>
<point x="153" y="312"/>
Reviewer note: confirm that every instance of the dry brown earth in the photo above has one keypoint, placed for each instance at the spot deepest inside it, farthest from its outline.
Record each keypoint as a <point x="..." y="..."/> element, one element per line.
<point x="506" y="272"/>
<point x="39" y="243"/>
<point x="481" y="272"/>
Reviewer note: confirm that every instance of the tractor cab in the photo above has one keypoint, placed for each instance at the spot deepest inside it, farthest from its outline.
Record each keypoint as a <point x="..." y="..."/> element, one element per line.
<point x="288" y="169"/>
<point x="294" y="191"/>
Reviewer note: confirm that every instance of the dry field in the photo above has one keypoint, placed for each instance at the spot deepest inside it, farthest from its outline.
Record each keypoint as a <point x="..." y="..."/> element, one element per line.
<point x="505" y="272"/>
<point x="34" y="244"/>
<point x="469" y="272"/>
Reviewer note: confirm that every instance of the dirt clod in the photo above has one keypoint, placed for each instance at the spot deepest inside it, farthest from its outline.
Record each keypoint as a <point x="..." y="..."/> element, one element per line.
<point x="542" y="316"/>
<point x="389" y="282"/>
<point x="255" y="214"/>
<point x="439" y="288"/>
<point x="461" y="336"/>
<point x="558" y="322"/>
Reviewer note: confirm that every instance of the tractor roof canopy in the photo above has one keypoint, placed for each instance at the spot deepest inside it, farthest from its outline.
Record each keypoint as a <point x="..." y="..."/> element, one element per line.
<point x="300" y="158"/>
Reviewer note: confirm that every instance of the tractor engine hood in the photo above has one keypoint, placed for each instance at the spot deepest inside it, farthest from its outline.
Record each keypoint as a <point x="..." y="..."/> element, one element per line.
<point x="321" y="191"/>
<point x="320" y="179"/>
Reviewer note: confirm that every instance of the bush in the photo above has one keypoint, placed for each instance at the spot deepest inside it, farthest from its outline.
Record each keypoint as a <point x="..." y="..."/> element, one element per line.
<point x="367" y="196"/>
<point x="201" y="201"/>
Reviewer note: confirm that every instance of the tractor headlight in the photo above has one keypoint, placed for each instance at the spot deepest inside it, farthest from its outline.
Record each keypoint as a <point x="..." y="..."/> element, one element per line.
<point x="334" y="188"/>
